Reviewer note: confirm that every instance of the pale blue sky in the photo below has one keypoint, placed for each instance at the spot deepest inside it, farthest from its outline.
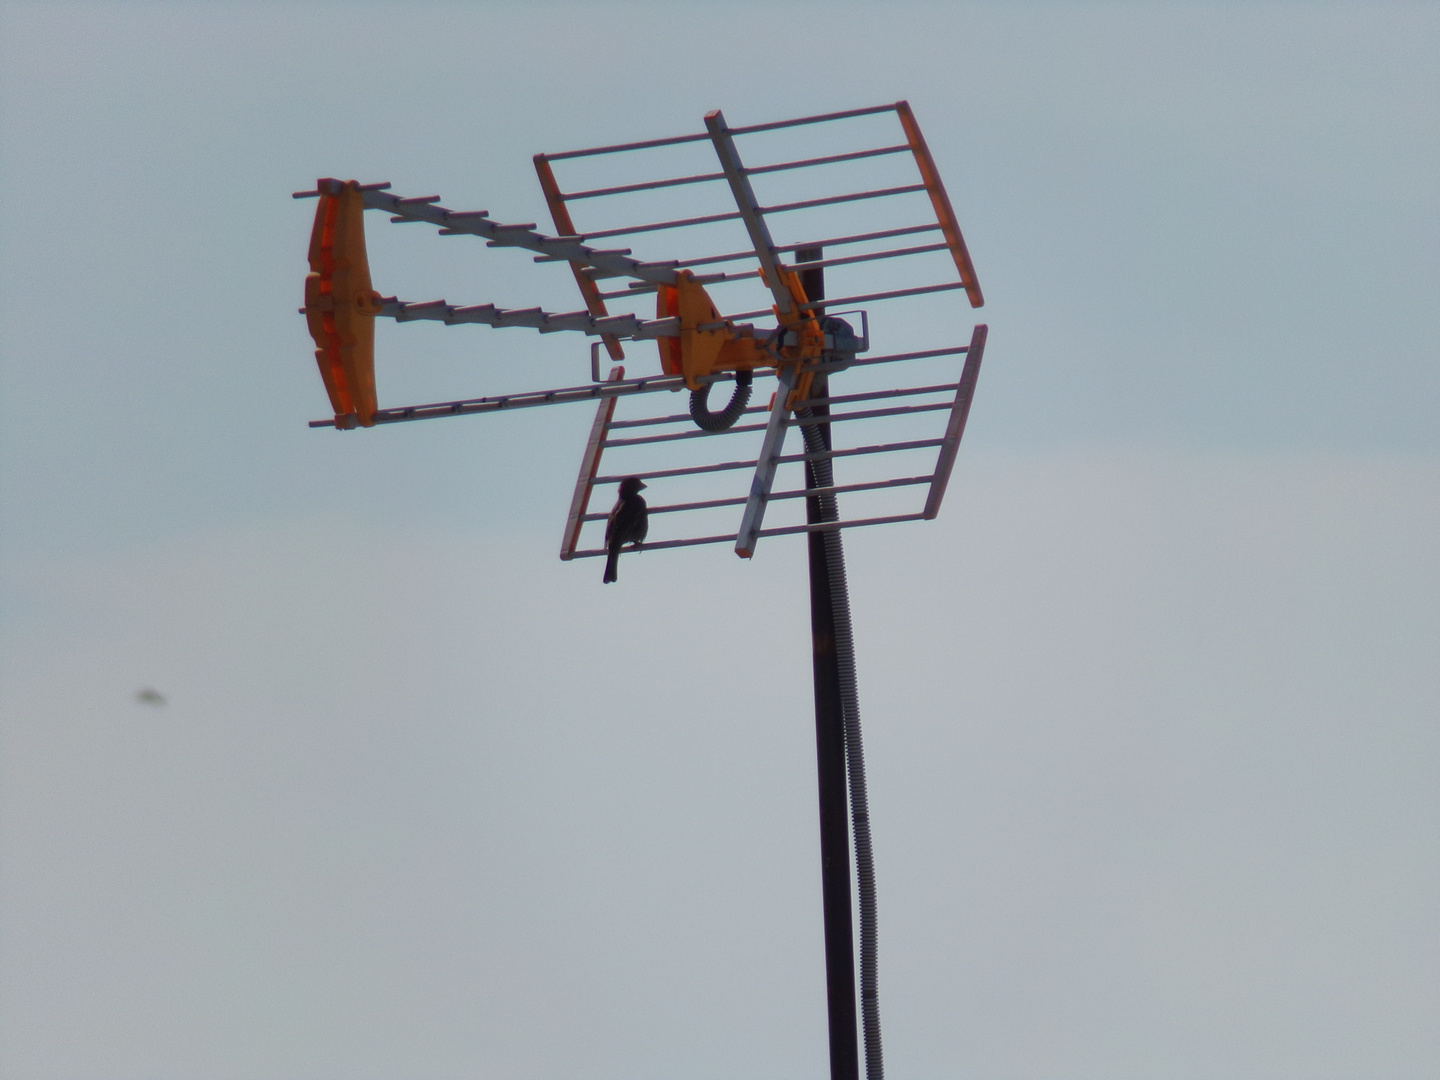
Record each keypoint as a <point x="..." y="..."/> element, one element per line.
<point x="1151" y="709"/>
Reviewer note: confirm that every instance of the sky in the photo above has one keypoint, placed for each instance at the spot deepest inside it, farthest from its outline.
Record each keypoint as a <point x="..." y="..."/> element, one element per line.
<point x="1150" y="711"/>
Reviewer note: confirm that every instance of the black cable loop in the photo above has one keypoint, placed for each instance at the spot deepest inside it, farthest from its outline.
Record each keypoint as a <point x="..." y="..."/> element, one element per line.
<point x="726" y="417"/>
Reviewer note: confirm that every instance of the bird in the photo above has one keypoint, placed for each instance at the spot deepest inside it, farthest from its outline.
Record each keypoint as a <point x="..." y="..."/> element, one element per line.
<point x="628" y="524"/>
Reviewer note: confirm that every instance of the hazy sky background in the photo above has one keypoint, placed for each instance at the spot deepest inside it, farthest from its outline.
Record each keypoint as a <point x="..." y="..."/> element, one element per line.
<point x="1151" y="711"/>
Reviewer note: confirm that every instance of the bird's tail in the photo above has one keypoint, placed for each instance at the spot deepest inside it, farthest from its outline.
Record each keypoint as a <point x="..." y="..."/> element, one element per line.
<point x="612" y="565"/>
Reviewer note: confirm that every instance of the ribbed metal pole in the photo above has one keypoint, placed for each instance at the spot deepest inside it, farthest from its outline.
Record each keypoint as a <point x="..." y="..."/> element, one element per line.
<point x="830" y="761"/>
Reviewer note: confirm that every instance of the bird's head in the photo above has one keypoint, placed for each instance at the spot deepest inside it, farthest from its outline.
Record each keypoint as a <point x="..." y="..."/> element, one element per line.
<point x="631" y="485"/>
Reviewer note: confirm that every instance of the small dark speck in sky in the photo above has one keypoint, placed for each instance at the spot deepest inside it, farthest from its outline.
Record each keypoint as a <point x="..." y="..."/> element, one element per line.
<point x="150" y="696"/>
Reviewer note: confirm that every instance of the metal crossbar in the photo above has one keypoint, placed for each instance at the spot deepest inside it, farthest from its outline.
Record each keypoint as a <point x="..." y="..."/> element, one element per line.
<point x="783" y="530"/>
<point x="831" y="200"/>
<point x="802" y="493"/>
<point x="841" y="301"/>
<point x="678" y="436"/>
<point x="470" y="406"/>
<point x="869" y="256"/>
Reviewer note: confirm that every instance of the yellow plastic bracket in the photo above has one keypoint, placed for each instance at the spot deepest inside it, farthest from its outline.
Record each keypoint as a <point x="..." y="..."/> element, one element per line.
<point x="699" y="349"/>
<point x="340" y="305"/>
<point x="809" y="338"/>
<point x="697" y="353"/>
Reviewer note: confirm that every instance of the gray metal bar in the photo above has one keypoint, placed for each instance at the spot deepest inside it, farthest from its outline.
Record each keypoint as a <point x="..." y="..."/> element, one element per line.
<point x="831" y="200"/>
<point x="680" y="418"/>
<point x="678" y="436"/>
<point x="750" y="211"/>
<point x="955" y="429"/>
<point x="843" y="301"/>
<point x="649" y="185"/>
<point x="616" y="148"/>
<point x="832" y="526"/>
<point x="640" y="288"/>
<point x="829" y="160"/>
<point x="840" y="301"/>
<point x="873" y="395"/>
<point x="869" y="414"/>
<point x="675" y="508"/>
<point x="724" y="466"/>
<point x="589" y="465"/>
<point x="765" y="463"/>
<point x="660" y="545"/>
<point x="818" y="119"/>
<point x="657" y="226"/>
<point x="860" y="451"/>
<point x="840" y="489"/>
<point x="562" y="396"/>
<point x="869" y="256"/>
<point x="925" y="354"/>
<point x="785" y="530"/>
<point x="736" y="256"/>
<point x="859" y="238"/>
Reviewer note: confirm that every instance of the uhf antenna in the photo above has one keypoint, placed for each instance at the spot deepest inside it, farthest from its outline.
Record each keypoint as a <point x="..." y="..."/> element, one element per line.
<point x="898" y="243"/>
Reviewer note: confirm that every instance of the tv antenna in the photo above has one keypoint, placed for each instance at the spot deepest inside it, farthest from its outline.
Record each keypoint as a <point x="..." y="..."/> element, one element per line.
<point x="724" y="239"/>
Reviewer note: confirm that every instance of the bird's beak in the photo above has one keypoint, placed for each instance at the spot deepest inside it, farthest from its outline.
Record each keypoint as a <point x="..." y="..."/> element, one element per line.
<point x="642" y="486"/>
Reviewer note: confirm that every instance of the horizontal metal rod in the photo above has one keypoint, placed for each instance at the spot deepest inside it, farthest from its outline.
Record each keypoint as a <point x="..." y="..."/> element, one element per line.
<point x="616" y="148"/>
<point x="565" y="395"/>
<point x="680" y="418"/>
<point x="860" y="238"/>
<point x="818" y="119"/>
<point x="785" y="530"/>
<point x="749" y="253"/>
<point x="661" y="545"/>
<point x="660" y="474"/>
<point x="831" y="159"/>
<point x="940" y="388"/>
<point x="832" y="526"/>
<point x="841" y="489"/>
<point x="831" y="200"/>
<point x="643" y="439"/>
<point x="839" y="301"/>
<point x="893" y="294"/>
<point x="924" y="354"/>
<point x="869" y="256"/>
<point x="657" y="226"/>
<point x="675" y="508"/>
<point x="860" y="451"/>
<point x="640" y="288"/>
<point x="868" y="414"/>
<point x="649" y="185"/>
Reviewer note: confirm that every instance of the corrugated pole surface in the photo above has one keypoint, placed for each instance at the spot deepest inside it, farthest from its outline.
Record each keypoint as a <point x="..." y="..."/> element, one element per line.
<point x="830" y="758"/>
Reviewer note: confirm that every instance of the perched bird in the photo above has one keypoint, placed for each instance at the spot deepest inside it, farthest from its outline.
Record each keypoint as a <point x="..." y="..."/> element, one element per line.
<point x="628" y="524"/>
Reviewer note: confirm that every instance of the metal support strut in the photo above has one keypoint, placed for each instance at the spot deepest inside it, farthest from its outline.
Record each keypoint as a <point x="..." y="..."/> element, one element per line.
<point x="839" y="752"/>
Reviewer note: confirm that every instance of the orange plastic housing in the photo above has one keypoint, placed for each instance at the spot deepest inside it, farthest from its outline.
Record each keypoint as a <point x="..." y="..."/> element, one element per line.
<point x="340" y="305"/>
